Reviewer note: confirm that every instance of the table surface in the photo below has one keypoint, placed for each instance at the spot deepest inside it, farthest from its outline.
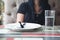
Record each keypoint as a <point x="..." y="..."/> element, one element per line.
<point x="39" y="33"/>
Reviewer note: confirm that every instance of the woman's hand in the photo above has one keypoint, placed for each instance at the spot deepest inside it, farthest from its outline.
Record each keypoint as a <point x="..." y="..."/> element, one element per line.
<point x="20" y="17"/>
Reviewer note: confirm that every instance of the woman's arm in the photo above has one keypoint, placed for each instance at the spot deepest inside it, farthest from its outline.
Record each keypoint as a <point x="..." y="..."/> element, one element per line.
<point x="20" y="17"/>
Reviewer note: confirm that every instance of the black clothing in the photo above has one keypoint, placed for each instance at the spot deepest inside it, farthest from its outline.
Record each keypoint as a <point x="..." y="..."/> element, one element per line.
<point x="30" y="16"/>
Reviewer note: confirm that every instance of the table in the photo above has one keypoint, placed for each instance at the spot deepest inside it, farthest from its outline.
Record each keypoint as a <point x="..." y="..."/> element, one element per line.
<point x="38" y="34"/>
<point x="31" y="34"/>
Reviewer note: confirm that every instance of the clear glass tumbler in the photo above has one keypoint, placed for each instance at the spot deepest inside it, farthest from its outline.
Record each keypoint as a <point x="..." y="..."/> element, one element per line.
<point x="49" y="18"/>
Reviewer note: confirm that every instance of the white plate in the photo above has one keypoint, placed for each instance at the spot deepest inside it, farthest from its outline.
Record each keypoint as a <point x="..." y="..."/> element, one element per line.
<point x="16" y="26"/>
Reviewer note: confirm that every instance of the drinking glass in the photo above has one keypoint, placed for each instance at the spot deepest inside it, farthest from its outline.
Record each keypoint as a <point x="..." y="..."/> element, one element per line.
<point x="49" y="18"/>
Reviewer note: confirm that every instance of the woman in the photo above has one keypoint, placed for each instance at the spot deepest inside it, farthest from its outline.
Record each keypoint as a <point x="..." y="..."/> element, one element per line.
<point x="33" y="11"/>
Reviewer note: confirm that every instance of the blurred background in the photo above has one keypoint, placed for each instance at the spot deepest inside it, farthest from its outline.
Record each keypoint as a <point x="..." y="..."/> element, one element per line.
<point x="1" y="10"/>
<point x="8" y="9"/>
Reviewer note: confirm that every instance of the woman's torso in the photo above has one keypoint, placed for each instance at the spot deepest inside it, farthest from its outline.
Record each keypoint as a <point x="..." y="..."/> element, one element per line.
<point x="32" y="17"/>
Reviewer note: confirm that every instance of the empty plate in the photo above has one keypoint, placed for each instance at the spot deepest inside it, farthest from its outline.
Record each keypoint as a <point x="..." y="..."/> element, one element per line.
<point x="22" y="26"/>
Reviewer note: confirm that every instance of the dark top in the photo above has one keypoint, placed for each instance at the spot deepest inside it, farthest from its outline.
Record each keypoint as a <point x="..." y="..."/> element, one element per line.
<point x="30" y="15"/>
